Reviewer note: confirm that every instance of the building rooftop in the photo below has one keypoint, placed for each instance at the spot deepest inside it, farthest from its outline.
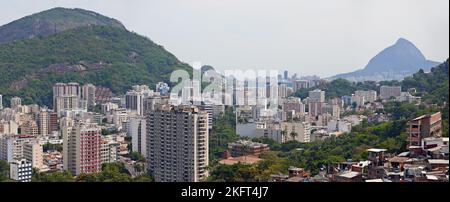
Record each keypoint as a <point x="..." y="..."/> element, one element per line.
<point x="241" y="159"/>
<point x="398" y="159"/>
<point x="438" y="161"/>
<point x="376" y="150"/>
<point x="350" y="174"/>
<point x="247" y="143"/>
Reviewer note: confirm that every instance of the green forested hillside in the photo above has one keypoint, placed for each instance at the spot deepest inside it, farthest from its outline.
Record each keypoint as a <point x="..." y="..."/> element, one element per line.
<point x="433" y="86"/>
<point x="103" y="55"/>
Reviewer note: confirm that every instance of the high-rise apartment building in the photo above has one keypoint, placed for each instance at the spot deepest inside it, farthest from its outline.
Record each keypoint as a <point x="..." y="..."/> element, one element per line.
<point x="177" y="143"/>
<point x="137" y="129"/>
<point x="1" y="101"/>
<point x="52" y="122"/>
<point x="33" y="153"/>
<point x="81" y="147"/>
<point x="43" y="122"/>
<point x="88" y="94"/>
<point x="67" y="97"/>
<point x="134" y="99"/>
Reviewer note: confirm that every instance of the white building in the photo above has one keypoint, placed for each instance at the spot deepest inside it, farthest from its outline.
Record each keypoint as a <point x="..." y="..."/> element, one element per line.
<point x="67" y="97"/>
<point x="339" y="126"/>
<point x="369" y="96"/>
<point x="20" y="170"/>
<point x="108" y="151"/>
<point x="295" y="131"/>
<point x="137" y="129"/>
<point x="134" y="99"/>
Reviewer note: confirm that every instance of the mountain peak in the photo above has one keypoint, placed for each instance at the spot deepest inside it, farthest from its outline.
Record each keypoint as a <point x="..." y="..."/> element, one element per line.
<point x="393" y="63"/>
<point x="53" y="21"/>
<point x="403" y="40"/>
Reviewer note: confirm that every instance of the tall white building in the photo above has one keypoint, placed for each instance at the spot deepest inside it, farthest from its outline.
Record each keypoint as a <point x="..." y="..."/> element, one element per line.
<point x="177" y="143"/>
<point x="43" y="120"/>
<point x="134" y="99"/>
<point x="1" y="101"/>
<point x="88" y="94"/>
<point x="137" y="129"/>
<point x="67" y="97"/>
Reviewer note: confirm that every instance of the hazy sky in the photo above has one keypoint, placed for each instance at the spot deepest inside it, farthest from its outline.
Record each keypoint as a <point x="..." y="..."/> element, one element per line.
<point x="321" y="37"/>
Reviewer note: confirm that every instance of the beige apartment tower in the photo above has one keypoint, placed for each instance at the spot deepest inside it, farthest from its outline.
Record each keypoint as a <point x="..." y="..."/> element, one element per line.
<point x="177" y="143"/>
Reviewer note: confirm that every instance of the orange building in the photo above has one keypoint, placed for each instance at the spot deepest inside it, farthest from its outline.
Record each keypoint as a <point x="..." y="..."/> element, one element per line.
<point x="422" y="127"/>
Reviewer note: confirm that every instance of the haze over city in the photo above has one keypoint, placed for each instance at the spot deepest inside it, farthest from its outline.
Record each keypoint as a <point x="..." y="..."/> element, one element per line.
<point x="307" y="37"/>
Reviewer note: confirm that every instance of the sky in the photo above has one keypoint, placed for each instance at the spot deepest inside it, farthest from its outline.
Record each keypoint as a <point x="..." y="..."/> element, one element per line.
<point x="307" y="37"/>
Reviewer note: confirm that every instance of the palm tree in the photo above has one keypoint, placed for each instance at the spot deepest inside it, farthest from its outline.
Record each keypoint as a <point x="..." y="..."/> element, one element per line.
<point x="293" y="135"/>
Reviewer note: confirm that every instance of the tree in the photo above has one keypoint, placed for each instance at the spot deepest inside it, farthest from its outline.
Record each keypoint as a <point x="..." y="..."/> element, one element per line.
<point x="293" y="135"/>
<point x="52" y="177"/>
<point x="4" y="171"/>
<point x="136" y="156"/>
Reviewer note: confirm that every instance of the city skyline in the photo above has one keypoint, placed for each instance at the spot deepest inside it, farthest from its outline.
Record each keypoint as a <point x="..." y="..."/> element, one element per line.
<point x="225" y="35"/>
